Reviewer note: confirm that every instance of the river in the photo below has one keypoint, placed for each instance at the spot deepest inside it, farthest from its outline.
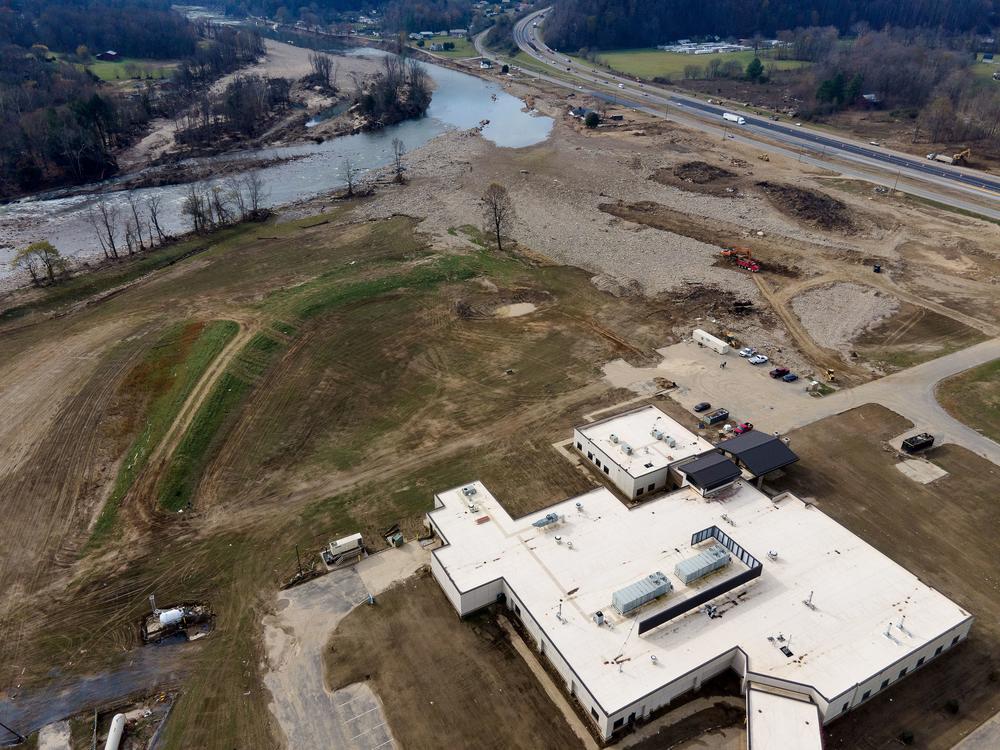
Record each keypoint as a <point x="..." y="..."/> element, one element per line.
<point x="459" y="101"/>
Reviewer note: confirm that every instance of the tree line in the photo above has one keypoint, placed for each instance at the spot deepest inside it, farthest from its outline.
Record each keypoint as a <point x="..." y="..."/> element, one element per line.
<point x="400" y="91"/>
<point x="60" y="123"/>
<point x="611" y="24"/>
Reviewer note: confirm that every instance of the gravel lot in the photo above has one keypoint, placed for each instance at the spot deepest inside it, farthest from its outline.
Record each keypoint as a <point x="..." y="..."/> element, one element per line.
<point x="838" y="313"/>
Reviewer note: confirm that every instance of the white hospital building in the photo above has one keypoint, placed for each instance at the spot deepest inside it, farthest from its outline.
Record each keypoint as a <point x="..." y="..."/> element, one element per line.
<point x="635" y="606"/>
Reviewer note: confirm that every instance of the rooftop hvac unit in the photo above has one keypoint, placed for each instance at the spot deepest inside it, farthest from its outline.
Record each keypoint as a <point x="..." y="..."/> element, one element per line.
<point x="627" y="449"/>
<point x="670" y="441"/>
<point x="644" y="590"/>
<point x="599" y="617"/>
<point x="469" y="491"/>
<point x="657" y="434"/>
<point x="613" y="438"/>
<point x="543" y="522"/>
<point x="702" y="564"/>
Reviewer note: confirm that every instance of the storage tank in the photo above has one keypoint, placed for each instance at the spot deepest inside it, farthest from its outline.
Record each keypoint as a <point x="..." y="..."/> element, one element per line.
<point x="115" y="732"/>
<point x="171" y="616"/>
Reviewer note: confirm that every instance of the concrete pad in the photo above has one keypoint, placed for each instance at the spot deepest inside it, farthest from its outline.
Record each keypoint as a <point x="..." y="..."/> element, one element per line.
<point x="380" y="571"/>
<point x="54" y="736"/>
<point x="987" y="737"/>
<point x="294" y="638"/>
<point x="923" y="472"/>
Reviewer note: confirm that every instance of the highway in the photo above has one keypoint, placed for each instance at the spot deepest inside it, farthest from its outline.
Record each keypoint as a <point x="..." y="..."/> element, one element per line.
<point x="920" y="177"/>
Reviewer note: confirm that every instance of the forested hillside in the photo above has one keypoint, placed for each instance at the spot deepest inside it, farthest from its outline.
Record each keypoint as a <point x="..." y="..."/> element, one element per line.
<point x="608" y="24"/>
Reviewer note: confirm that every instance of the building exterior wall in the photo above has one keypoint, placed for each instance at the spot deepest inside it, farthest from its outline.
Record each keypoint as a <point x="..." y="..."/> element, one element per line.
<point x="631" y="487"/>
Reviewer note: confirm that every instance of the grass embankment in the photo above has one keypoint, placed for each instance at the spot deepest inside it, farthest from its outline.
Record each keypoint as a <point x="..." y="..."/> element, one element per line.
<point x="973" y="397"/>
<point x="165" y="377"/>
<point x="322" y="296"/>
<point x="126" y="270"/>
<point x="652" y="63"/>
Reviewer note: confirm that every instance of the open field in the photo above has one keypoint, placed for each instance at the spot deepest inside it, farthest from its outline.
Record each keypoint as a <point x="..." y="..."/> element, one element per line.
<point x="409" y="640"/>
<point x="944" y="532"/>
<point x="652" y="63"/>
<point x="974" y="398"/>
<point x="374" y="364"/>
<point x="463" y="47"/>
<point x="129" y="68"/>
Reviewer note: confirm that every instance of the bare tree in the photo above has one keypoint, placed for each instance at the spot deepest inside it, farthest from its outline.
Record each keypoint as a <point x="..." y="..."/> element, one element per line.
<point x="498" y="211"/>
<point x="256" y="192"/>
<point x="234" y="191"/>
<point x="217" y="198"/>
<point x="105" y="219"/>
<point x="398" y="151"/>
<point x="322" y="68"/>
<point x="133" y="204"/>
<point x="349" y="176"/>
<point x="194" y="207"/>
<point x="129" y="237"/>
<point x="153" y="209"/>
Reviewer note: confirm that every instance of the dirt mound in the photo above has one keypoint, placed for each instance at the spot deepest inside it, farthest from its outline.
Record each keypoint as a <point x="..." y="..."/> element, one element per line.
<point x="698" y="177"/>
<point x="611" y="285"/>
<point x="809" y="206"/>
<point x="701" y="173"/>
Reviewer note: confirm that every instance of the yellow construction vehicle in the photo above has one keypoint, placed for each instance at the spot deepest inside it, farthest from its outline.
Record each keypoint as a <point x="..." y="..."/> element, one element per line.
<point x="764" y="157"/>
<point x="961" y="156"/>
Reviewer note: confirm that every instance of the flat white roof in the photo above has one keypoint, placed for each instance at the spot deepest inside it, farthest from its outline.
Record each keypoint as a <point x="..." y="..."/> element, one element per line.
<point x="776" y="722"/>
<point x="839" y="643"/>
<point x="635" y="429"/>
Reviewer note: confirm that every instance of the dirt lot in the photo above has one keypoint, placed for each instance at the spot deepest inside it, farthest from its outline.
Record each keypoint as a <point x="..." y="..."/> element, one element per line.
<point x="809" y="206"/>
<point x="410" y="640"/>
<point x="944" y="532"/>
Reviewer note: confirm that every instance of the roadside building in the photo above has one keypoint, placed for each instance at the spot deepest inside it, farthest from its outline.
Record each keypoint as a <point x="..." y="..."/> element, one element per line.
<point x="638" y="451"/>
<point x="759" y="453"/>
<point x="108" y="56"/>
<point x="635" y="606"/>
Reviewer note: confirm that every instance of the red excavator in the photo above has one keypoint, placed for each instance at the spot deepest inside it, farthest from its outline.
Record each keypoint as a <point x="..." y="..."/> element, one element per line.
<point x="743" y="257"/>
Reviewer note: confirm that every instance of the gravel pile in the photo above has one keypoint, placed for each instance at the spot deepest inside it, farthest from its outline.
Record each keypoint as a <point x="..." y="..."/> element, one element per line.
<point x="836" y="314"/>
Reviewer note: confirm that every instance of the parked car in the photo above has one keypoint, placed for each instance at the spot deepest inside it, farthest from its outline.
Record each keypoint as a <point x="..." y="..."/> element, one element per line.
<point x="741" y="428"/>
<point x="703" y="406"/>
<point x="778" y="372"/>
<point x="747" y="351"/>
<point x="757" y="359"/>
<point x="790" y="377"/>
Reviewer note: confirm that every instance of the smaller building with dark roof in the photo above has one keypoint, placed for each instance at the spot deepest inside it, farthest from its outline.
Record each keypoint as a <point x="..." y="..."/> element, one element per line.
<point x="710" y="473"/>
<point x="758" y="452"/>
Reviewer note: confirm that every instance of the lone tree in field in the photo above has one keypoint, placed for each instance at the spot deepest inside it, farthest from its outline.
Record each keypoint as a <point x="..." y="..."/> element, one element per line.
<point x="349" y="177"/>
<point x="755" y="70"/>
<point x="498" y="211"/>
<point x="39" y="257"/>
<point x="398" y="152"/>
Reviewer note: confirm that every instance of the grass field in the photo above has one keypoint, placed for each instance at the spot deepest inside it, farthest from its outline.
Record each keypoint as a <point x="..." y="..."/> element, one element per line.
<point x="158" y="386"/>
<point x="974" y="398"/>
<point x="651" y="63"/>
<point x="985" y="69"/>
<point x="463" y="47"/>
<point x="913" y="335"/>
<point x="131" y="68"/>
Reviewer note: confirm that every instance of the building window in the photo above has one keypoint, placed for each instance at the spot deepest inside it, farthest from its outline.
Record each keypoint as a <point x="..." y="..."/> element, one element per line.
<point x="598" y="462"/>
<point x="955" y="640"/>
<point x="517" y="610"/>
<point x="650" y="488"/>
<point x="844" y="709"/>
<point x="579" y="446"/>
<point x="885" y="684"/>
<point x="920" y="661"/>
<point x="606" y="470"/>
<point x="593" y="713"/>
<point x="902" y="672"/>
<point x="590" y="455"/>
<point x="938" y="650"/>
<point x="639" y="491"/>
<point x="618" y="723"/>
<point x="867" y="695"/>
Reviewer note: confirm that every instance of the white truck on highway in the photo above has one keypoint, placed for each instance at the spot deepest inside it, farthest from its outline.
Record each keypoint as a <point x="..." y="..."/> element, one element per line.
<point x="734" y="118"/>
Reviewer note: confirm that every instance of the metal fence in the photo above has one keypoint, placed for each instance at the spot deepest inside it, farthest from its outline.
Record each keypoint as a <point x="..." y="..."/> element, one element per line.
<point x="755" y="568"/>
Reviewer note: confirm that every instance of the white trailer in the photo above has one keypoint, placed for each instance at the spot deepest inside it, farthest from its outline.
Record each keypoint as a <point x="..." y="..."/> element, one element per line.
<point x="734" y="118"/>
<point x="706" y="339"/>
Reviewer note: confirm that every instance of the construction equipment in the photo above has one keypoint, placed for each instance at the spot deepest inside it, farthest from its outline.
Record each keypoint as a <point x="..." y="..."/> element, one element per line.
<point x="764" y="157"/>
<point x="748" y="264"/>
<point x="830" y="376"/>
<point x="736" y="251"/>
<point x="961" y="156"/>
